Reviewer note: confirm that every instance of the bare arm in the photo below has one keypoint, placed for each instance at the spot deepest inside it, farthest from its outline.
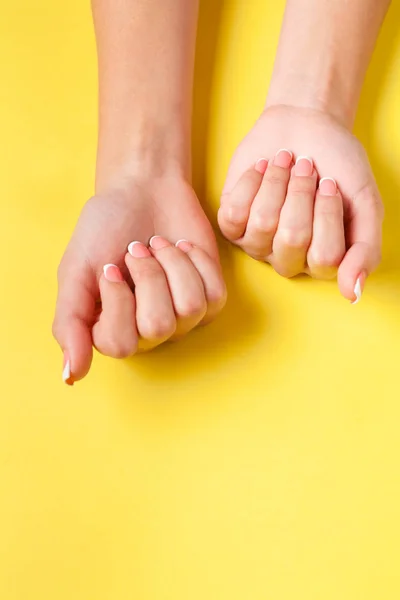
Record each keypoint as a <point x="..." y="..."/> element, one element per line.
<point x="146" y="58"/>
<point x="324" y="52"/>
<point x="125" y="234"/>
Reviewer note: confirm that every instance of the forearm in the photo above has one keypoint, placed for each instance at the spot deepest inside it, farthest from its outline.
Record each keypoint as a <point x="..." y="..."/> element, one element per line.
<point x="146" y="59"/>
<point x="324" y="52"/>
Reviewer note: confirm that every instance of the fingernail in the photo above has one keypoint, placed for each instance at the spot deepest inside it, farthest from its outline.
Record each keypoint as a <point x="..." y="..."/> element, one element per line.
<point x="261" y="165"/>
<point x="328" y="187"/>
<point x="112" y="273"/>
<point x="184" y="245"/>
<point x="304" y="167"/>
<point x="158" y="243"/>
<point x="283" y="158"/>
<point x="66" y="374"/>
<point x="358" y="289"/>
<point x="138" y="250"/>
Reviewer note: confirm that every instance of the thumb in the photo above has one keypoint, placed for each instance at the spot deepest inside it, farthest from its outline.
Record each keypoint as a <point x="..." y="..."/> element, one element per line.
<point x="364" y="234"/>
<point x="75" y="312"/>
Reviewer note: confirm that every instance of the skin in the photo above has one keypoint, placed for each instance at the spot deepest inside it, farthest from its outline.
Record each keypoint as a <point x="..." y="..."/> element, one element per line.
<point x="278" y="211"/>
<point x="272" y="208"/>
<point x="143" y="189"/>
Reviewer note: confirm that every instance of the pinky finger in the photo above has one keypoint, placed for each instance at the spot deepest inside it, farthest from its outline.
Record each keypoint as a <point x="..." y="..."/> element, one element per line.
<point x="211" y="275"/>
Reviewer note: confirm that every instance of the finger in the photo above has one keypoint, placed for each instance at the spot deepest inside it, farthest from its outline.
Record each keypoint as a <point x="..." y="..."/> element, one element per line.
<point x="294" y="233"/>
<point x="211" y="275"/>
<point x="235" y="206"/>
<point x="115" y="333"/>
<point x="364" y="237"/>
<point x="266" y="208"/>
<point x="328" y="245"/>
<point x="155" y="315"/>
<point x="73" y="320"/>
<point x="185" y="284"/>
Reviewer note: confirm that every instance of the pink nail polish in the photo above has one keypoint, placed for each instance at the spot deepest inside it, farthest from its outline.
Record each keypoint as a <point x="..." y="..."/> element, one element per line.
<point x="304" y="167"/>
<point x="158" y="243"/>
<point x="261" y="165"/>
<point x="184" y="245"/>
<point x="328" y="187"/>
<point x="138" y="250"/>
<point x="66" y="374"/>
<point x="283" y="158"/>
<point x="112" y="273"/>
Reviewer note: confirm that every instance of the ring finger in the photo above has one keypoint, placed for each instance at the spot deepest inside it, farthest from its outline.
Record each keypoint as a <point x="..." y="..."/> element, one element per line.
<point x="185" y="284"/>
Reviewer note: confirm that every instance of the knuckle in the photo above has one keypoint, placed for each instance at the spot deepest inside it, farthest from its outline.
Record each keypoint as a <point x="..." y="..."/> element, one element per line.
<point x="284" y="271"/>
<point x="157" y="327"/>
<point x="275" y="176"/>
<point x="234" y="214"/>
<point x="118" y="348"/>
<point x="149" y="269"/>
<point x="294" y="238"/>
<point x="218" y="295"/>
<point x="192" y="307"/>
<point x="55" y="329"/>
<point x="61" y="270"/>
<point x="261" y="221"/>
<point x="325" y="258"/>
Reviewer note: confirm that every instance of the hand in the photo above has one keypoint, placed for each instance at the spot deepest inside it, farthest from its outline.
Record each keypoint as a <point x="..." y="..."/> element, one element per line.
<point x="274" y="211"/>
<point x="174" y="288"/>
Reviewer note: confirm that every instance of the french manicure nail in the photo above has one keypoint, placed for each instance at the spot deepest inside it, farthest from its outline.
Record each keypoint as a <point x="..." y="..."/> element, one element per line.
<point x="358" y="291"/>
<point x="158" y="243"/>
<point x="328" y="187"/>
<point x="304" y="167"/>
<point x="66" y="374"/>
<point x="112" y="273"/>
<point x="261" y="165"/>
<point x="184" y="245"/>
<point x="138" y="250"/>
<point x="283" y="158"/>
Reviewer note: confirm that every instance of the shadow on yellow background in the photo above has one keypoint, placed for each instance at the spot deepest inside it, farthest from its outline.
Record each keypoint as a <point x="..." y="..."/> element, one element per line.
<point x="257" y="459"/>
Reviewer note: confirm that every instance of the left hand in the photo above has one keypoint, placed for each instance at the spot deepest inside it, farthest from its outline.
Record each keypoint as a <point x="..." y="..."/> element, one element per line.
<point x="152" y="290"/>
<point x="293" y="215"/>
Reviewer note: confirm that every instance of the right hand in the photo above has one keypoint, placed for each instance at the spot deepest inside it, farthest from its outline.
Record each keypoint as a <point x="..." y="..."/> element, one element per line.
<point x="158" y="294"/>
<point x="288" y="215"/>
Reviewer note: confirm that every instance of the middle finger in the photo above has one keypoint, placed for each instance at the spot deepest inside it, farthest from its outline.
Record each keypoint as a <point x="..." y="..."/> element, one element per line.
<point x="185" y="284"/>
<point x="293" y="236"/>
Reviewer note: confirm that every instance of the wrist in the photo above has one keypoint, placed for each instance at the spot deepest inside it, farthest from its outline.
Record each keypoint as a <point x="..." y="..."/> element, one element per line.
<point x="144" y="149"/>
<point x="326" y="92"/>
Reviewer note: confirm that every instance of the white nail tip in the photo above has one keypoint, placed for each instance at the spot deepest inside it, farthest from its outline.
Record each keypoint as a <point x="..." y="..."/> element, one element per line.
<point x="357" y="292"/>
<point x="260" y="160"/>
<point x="305" y="158"/>
<point x="284" y="150"/>
<point x="328" y="179"/>
<point x="151" y="240"/>
<point x="66" y="372"/>
<point x="106" y="267"/>
<point x="131" y="246"/>
<point x="179" y="241"/>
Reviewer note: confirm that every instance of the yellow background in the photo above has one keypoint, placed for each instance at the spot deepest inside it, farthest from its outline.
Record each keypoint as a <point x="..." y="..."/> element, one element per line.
<point x="257" y="459"/>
